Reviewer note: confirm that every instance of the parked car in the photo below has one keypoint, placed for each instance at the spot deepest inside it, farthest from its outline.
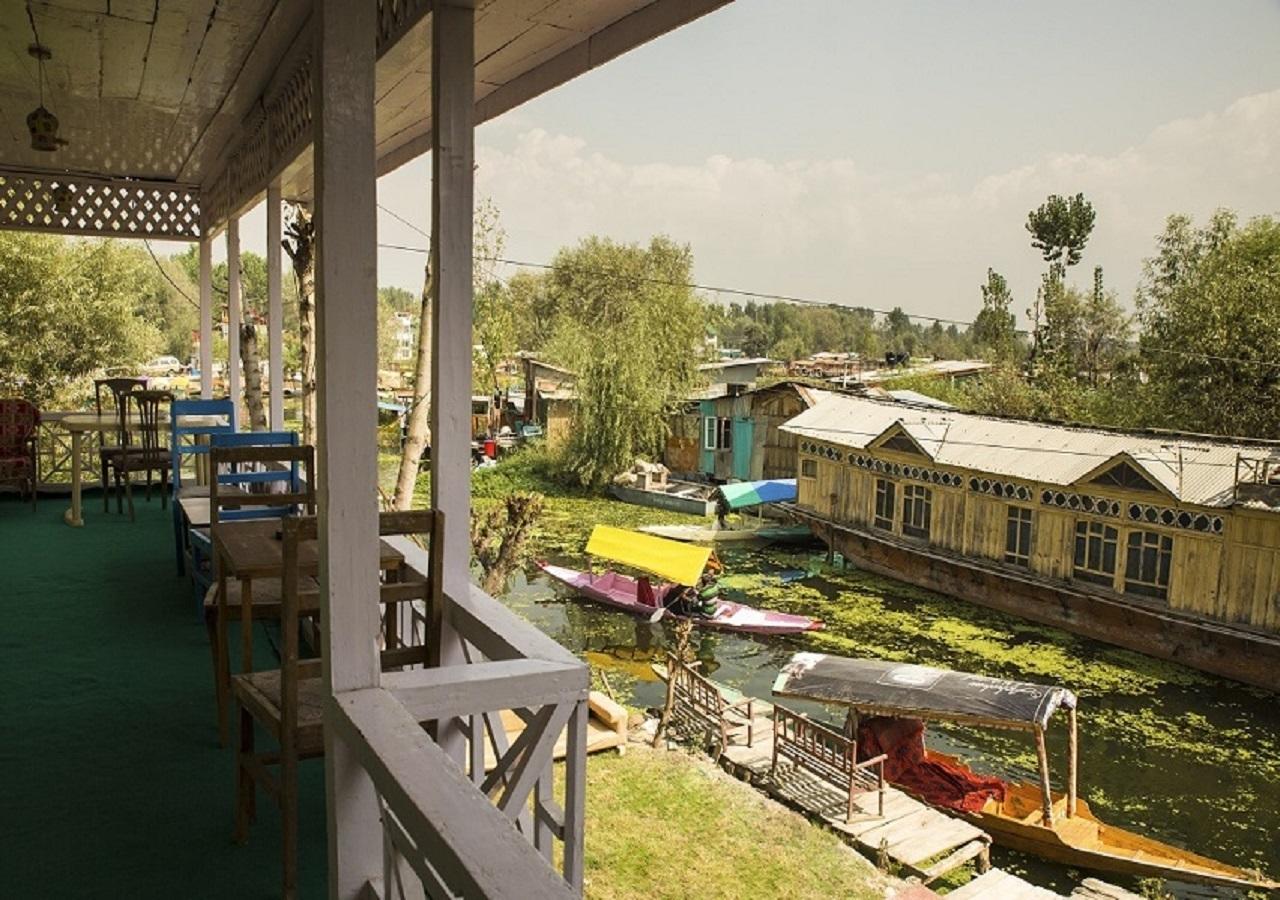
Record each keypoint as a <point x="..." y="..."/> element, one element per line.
<point x="163" y="365"/>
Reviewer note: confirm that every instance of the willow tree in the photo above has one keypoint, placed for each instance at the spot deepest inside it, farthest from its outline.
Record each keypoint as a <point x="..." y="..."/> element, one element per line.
<point x="630" y="325"/>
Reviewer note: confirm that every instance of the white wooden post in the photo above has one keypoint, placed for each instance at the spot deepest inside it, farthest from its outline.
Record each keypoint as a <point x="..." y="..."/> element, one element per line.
<point x="275" y="308"/>
<point x="347" y="375"/>
<point x="452" y="187"/>
<point x="206" y="319"/>
<point x="233" y="310"/>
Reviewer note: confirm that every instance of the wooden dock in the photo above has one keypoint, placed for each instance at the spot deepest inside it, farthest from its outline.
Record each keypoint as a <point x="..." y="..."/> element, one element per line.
<point x="920" y="840"/>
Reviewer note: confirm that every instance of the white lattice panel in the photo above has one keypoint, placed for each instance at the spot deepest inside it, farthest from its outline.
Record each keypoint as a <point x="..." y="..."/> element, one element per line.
<point x="91" y="206"/>
<point x="395" y="17"/>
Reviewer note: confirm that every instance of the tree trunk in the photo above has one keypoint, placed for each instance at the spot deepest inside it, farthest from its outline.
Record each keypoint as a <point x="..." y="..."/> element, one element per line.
<point x="307" y="338"/>
<point x="299" y="243"/>
<point x="252" y="377"/>
<point x="418" y="431"/>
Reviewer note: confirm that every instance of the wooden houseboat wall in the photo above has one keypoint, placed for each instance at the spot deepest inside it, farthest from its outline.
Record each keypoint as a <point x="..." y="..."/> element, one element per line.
<point x="889" y="506"/>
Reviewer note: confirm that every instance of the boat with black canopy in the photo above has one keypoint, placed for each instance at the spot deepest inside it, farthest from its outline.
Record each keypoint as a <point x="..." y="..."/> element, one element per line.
<point x="887" y="705"/>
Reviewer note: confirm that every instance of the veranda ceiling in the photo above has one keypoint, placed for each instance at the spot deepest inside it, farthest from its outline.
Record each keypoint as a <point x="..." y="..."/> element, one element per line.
<point x="186" y="91"/>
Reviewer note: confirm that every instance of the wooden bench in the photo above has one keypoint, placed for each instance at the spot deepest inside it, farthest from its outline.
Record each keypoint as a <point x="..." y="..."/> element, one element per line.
<point x="702" y="707"/>
<point x="828" y="754"/>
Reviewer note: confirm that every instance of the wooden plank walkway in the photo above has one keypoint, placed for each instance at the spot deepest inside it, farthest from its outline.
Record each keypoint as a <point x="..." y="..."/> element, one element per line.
<point x="922" y="840"/>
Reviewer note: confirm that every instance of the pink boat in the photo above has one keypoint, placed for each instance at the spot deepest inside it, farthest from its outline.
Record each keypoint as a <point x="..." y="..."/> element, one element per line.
<point x="620" y="592"/>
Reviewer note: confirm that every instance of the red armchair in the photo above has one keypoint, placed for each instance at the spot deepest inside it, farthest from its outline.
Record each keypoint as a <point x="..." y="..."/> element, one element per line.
<point x="19" y="420"/>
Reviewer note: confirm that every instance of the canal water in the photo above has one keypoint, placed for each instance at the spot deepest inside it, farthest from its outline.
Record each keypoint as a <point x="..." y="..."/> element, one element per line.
<point x="1164" y="750"/>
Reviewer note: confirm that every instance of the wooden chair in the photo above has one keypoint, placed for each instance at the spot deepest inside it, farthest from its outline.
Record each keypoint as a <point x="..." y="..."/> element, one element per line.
<point x="19" y="462"/>
<point x="702" y="707"/>
<point x="186" y="440"/>
<point x="143" y="450"/>
<point x="237" y="465"/>
<point x="114" y="391"/>
<point x="288" y="703"/>
<point x="828" y="754"/>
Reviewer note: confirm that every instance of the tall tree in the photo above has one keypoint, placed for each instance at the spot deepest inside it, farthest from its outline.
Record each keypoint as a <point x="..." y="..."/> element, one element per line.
<point x="1104" y="331"/>
<point x="631" y="326"/>
<point x="994" y="329"/>
<point x="1060" y="227"/>
<point x="1209" y="308"/>
<point x="300" y="243"/>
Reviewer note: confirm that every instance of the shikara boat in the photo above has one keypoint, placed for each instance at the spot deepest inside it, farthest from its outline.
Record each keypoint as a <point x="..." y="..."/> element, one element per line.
<point x="1031" y="818"/>
<point x="680" y="565"/>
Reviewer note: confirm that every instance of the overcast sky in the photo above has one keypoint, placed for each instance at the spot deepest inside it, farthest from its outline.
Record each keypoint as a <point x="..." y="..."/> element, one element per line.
<point x="885" y="154"/>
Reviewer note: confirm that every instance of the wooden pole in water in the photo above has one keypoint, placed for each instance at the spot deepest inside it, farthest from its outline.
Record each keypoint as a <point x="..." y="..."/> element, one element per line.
<point x="1043" y="754"/>
<point x="1072" y="764"/>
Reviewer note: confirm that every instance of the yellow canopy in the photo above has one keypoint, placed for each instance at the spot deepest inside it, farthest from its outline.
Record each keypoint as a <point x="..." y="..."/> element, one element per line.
<point x="672" y="560"/>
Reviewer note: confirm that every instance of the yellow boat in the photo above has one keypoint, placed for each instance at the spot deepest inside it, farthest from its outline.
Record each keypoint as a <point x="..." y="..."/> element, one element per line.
<point x="1030" y="818"/>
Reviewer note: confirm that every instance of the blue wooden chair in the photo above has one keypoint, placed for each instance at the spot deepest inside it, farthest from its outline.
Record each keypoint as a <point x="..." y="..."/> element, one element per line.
<point x="233" y="482"/>
<point x="187" y="440"/>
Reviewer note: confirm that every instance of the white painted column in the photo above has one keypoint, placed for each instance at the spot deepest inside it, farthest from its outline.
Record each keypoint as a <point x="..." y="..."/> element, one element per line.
<point x="206" y="319"/>
<point x="452" y="189"/>
<point x="234" y="375"/>
<point x="275" y="308"/>
<point x="347" y="375"/>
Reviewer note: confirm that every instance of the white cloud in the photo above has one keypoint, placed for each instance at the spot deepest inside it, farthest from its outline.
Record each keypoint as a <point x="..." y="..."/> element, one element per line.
<point x="829" y="229"/>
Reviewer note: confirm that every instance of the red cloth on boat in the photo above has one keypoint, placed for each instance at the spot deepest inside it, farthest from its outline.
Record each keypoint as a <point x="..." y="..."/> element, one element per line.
<point x="910" y="766"/>
<point x="644" y="593"/>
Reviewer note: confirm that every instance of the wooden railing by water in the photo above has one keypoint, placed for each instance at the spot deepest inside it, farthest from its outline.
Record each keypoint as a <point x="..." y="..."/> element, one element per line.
<point x="826" y="753"/>
<point x="483" y="822"/>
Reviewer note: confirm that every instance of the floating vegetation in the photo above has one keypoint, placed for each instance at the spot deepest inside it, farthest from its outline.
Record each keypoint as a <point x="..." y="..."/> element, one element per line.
<point x="1165" y="749"/>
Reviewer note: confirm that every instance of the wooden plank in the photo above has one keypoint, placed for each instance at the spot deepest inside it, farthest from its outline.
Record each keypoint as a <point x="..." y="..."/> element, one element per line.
<point x="124" y="54"/>
<point x="938" y="838"/>
<point x="985" y="885"/>
<point x="469" y="842"/>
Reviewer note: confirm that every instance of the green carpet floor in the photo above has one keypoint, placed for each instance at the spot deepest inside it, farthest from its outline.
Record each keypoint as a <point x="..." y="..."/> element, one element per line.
<point x="112" y="783"/>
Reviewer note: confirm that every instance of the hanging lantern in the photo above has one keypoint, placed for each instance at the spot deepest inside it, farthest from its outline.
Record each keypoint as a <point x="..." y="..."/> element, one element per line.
<point x="42" y="124"/>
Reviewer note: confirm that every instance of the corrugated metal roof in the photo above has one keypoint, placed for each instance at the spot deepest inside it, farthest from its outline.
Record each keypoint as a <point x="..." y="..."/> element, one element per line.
<point x="1200" y="472"/>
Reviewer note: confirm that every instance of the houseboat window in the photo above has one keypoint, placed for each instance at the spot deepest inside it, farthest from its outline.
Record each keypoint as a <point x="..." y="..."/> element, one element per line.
<point x="917" y="504"/>
<point x="717" y="433"/>
<point x="1017" y="540"/>
<point x="1146" y="568"/>
<point x="886" y="497"/>
<point x="1095" y="558"/>
<point x="808" y="468"/>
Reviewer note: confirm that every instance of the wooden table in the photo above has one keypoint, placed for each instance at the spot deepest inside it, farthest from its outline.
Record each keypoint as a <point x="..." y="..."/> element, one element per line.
<point x="79" y="423"/>
<point x="246" y="549"/>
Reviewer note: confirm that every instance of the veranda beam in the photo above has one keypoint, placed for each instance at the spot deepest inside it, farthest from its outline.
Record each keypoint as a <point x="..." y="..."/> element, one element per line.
<point x="347" y="364"/>
<point x="275" y="307"/>
<point x="452" y="188"/>
<point x="206" y="318"/>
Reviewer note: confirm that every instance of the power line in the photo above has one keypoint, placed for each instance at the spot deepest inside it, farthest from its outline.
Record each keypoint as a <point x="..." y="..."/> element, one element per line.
<point x="146" y="243"/>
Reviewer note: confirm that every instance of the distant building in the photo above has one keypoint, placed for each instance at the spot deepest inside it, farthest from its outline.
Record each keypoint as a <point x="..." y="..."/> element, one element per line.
<point x="735" y="373"/>
<point x="406" y="337"/>
<point x="1164" y="543"/>
<point x="738" y="436"/>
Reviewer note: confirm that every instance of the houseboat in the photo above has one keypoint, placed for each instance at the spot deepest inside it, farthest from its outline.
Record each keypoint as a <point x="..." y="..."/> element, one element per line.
<point x="1164" y="543"/>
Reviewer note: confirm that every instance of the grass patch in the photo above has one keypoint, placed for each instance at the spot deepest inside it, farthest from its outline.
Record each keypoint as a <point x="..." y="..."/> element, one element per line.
<point x="669" y="825"/>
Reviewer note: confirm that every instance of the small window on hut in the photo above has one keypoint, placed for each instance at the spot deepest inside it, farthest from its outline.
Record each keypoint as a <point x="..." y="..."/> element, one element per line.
<point x="1095" y="557"/>
<point x="1017" y="537"/>
<point x="917" y="509"/>
<point x="886" y="500"/>
<point x="808" y="468"/>
<point x="1147" y="560"/>
<point x="717" y="433"/>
